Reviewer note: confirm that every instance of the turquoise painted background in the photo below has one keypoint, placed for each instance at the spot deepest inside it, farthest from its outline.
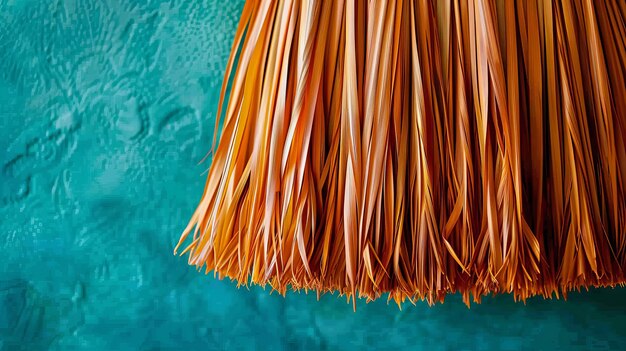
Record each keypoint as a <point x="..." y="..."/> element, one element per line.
<point x="105" y="108"/>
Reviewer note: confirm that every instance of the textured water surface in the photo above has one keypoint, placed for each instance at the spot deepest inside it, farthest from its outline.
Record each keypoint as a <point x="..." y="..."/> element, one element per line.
<point x="106" y="107"/>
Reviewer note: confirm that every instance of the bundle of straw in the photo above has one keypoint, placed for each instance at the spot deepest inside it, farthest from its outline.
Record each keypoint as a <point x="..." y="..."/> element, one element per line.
<point x="420" y="148"/>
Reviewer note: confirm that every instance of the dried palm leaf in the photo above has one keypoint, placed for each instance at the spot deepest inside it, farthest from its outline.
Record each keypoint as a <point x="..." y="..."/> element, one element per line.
<point x="420" y="148"/>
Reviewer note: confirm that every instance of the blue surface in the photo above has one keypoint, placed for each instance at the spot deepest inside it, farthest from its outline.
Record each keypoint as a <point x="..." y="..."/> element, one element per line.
<point x="105" y="108"/>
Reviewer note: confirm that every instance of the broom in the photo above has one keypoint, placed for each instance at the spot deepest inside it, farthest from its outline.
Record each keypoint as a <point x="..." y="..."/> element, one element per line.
<point x="420" y="148"/>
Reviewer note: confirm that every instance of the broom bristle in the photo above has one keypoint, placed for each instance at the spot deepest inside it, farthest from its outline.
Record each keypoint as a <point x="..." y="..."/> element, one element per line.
<point x="420" y="148"/>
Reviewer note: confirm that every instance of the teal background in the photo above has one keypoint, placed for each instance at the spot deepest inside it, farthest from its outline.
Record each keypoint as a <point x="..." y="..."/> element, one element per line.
<point x="106" y="107"/>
